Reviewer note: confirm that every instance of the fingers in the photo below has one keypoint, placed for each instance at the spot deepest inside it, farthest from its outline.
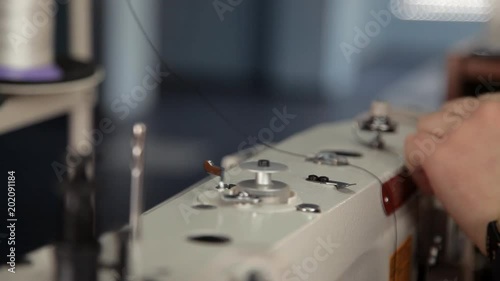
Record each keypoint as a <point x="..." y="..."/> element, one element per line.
<point x="435" y="123"/>
<point x="490" y="97"/>
<point x="417" y="148"/>
<point x="449" y="117"/>
<point x="432" y="132"/>
<point x="422" y="181"/>
<point x="456" y="104"/>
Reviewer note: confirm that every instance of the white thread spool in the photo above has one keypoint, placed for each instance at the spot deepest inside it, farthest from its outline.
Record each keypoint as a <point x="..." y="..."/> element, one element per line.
<point x="27" y="29"/>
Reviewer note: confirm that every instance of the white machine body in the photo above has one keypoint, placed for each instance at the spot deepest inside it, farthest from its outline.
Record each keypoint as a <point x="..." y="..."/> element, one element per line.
<point x="351" y="238"/>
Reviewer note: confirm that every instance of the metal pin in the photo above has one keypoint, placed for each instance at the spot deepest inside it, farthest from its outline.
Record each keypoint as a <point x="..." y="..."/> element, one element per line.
<point x="137" y="179"/>
<point x="136" y="202"/>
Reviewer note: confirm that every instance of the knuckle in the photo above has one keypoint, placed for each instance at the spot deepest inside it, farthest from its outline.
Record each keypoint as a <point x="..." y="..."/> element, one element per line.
<point x="488" y="111"/>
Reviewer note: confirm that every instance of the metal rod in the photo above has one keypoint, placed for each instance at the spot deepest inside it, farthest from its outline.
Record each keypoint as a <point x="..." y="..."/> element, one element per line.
<point x="137" y="179"/>
<point x="80" y="29"/>
<point x="134" y="270"/>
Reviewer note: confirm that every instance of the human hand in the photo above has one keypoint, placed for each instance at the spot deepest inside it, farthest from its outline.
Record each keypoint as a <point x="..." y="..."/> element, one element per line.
<point x="455" y="155"/>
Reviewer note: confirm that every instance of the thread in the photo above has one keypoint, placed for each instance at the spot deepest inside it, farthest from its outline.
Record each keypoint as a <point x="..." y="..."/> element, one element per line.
<point x="27" y="33"/>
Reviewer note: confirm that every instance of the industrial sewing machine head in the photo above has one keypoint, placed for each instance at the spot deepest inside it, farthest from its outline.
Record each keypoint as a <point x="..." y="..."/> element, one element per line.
<point x="281" y="217"/>
<point x="275" y="216"/>
<point x="341" y="207"/>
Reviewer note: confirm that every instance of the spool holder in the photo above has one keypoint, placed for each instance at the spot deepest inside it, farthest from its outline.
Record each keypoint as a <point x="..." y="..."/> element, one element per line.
<point x="263" y="186"/>
<point x="378" y="122"/>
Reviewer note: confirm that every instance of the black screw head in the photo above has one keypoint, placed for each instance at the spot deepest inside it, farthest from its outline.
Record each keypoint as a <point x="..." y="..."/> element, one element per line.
<point x="263" y="163"/>
<point x="312" y="178"/>
<point x="324" y="179"/>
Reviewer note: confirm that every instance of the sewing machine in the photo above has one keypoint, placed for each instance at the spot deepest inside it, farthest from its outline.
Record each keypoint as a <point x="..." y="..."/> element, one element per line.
<point x="331" y="203"/>
<point x="347" y="211"/>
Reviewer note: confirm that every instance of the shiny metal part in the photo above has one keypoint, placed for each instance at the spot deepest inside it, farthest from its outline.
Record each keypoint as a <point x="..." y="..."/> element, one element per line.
<point x="241" y="197"/>
<point x="378" y="142"/>
<point x="263" y="187"/>
<point x="308" y="208"/>
<point x="214" y="170"/>
<point x="327" y="181"/>
<point x="435" y="250"/>
<point x="263" y="170"/>
<point x="378" y="122"/>
<point x="134" y="269"/>
<point x="328" y="158"/>
<point x="137" y="179"/>
<point x="277" y="192"/>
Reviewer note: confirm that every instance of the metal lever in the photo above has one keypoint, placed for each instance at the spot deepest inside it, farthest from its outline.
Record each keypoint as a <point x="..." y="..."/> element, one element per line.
<point x="212" y="169"/>
<point x="327" y="181"/>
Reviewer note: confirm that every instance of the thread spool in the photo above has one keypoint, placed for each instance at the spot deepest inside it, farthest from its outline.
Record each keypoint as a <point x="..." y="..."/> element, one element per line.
<point x="27" y="31"/>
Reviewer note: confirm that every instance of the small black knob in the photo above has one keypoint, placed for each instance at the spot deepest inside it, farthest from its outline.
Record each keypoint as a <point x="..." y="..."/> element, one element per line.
<point x="312" y="178"/>
<point x="324" y="179"/>
<point x="264" y="163"/>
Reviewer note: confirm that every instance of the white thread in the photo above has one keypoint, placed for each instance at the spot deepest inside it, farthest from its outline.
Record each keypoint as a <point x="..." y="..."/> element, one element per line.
<point x="27" y="29"/>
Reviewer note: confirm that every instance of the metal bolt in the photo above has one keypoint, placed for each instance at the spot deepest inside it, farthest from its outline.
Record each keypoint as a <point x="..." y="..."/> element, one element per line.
<point x="264" y="163"/>
<point x="308" y="208"/>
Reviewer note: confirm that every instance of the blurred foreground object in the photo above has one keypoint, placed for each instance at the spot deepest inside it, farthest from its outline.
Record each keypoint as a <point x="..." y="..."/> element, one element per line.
<point x="472" y="71"/>
<point x="35" y="85"/>
<point x="476" y="69"/>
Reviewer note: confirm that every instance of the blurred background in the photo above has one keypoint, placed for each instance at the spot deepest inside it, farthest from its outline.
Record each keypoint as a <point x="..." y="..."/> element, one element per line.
<point x="320" y="61"/>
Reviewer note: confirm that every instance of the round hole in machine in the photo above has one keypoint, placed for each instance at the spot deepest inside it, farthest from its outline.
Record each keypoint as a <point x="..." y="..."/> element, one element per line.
<point x="204" y="207"/>
<point x="348" y="153"/>
<point x="210" y="239"/>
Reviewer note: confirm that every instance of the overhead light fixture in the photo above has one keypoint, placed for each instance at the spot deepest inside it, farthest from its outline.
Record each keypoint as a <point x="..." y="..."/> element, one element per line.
<point x="443" y="10"/>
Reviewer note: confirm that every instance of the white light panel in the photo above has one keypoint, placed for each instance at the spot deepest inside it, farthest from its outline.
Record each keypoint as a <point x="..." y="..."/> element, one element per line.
<point x="443" y="10"/>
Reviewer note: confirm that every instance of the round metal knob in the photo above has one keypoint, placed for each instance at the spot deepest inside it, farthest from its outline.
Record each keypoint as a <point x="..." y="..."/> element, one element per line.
<point x="308" y="208"/>
<point x="263" y="169"/>
<point x="263" y="186"/>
